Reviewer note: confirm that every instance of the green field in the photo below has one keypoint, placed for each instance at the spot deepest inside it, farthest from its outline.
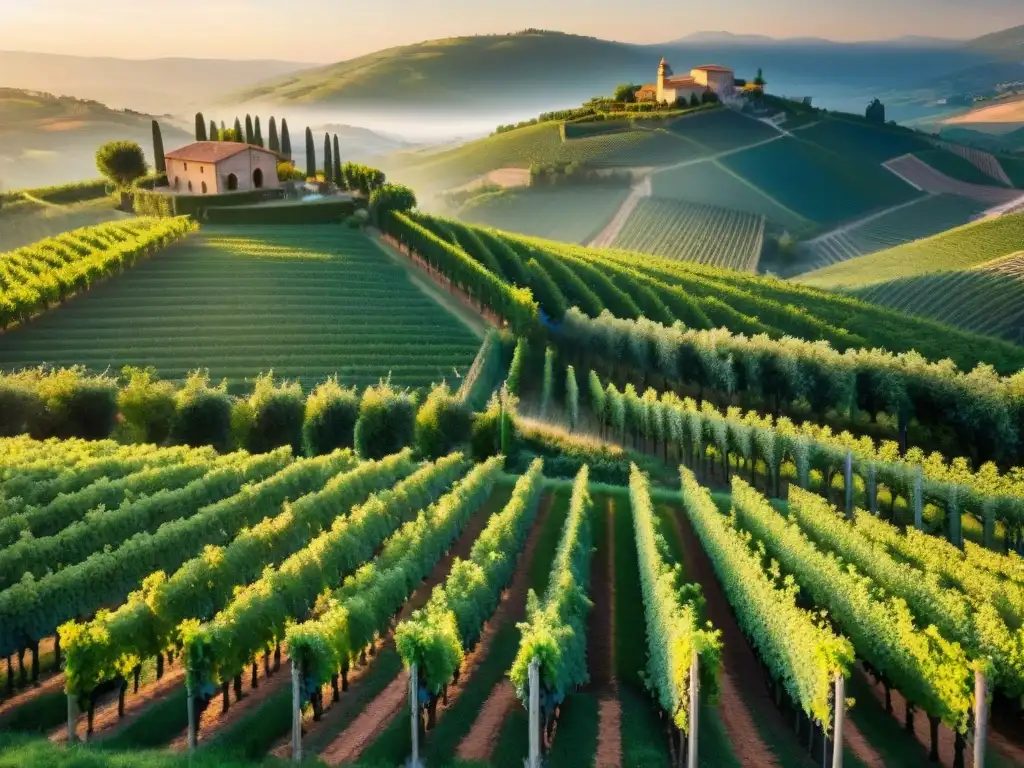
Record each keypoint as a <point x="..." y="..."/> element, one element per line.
<point x="960" y="248"/>
<point x="574" y="214"/>
<point x="820" y="185"/>
<point x="957" y="167"/>
<point x="976" y="300"/>
<point x="691" y="232"/>
<point x="24" y="222"/>
<point x="722" y="130"/>
<point x="304" y="301"/>
<point x="925" y="217"/>
<point x="861" y="140"/>
<point x="711" y="183"/>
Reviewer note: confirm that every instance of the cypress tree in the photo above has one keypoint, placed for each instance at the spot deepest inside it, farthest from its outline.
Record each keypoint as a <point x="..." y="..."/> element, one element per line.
<point x="200" y="127"/>
<point x="259" y="133"/>
<point x="275" y="144"/>
<point x="250" y="136"/>
<point x="310" y="155"/>
<point x="328" y="162"/>
<point x="286" y="141"/>
<point x="337" y="163"/>
<point x="238" y="130"/>
<point x="213" y="131"/>
<point x="158" y="148"/>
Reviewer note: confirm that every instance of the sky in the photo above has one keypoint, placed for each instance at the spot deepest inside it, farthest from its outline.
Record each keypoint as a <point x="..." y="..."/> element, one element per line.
<point x="334" y="30"/>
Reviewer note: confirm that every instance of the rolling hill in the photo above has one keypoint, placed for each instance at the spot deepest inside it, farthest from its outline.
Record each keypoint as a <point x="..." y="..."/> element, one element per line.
<point x="47" y="139"/>
<point x="152" y="84"/>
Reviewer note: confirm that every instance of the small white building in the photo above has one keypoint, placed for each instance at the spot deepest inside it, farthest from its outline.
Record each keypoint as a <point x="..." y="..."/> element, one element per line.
<point x="216" y="167"/>
<point x="672" y="89"/>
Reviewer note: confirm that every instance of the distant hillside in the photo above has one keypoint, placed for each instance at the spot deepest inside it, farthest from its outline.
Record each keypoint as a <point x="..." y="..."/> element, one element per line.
<point x="1008" y="43"/>
<point x="486" y="69"/>
<point x="538" y="70"/>
<point x="155" y="85"/>
<point x="47" y="139"/>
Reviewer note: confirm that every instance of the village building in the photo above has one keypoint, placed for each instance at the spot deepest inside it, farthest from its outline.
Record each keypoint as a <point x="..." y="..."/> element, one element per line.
<point x="672" y="88"/>
<point x="216" y="167"/>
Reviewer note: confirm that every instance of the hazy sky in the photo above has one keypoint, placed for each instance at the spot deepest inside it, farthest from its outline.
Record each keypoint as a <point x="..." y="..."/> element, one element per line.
<point x="332" y="30"/>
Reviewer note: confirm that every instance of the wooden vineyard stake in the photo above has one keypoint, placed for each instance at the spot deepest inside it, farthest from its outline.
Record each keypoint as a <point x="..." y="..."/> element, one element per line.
<point x="72" y="718"/>
<point x="840" y="714"/>
<point x="848" y="484"/>
<point x="414" y="706"/>
<point x="872" y="490"/>
<point x="534" y="679"/>
<point x="691" y="744"/>
<point x="296" y="715"/>
<point x="980" y="717"/>
<point x="918" y="502"/>
<point x="191" y="718"/>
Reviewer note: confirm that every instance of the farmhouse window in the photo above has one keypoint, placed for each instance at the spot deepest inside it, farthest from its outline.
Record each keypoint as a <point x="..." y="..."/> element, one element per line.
<point x="186" y="166"/>
<point x="190" y="185"/>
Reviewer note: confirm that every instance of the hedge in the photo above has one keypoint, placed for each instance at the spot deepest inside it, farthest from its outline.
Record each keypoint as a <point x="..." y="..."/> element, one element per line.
<point x="330" y="212"/>
<point x="160" y="204"/>
<point x="75" y="192"/>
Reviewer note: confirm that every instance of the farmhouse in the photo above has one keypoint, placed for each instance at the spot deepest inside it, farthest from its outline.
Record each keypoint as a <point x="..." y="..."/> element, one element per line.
<point x="215" y="167"/>
<point x="672" y="88"/>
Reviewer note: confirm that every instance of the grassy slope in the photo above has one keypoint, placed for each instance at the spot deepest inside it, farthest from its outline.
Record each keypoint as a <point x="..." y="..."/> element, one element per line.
<point x="304" y="301"/>
<point x="957" y="167"/>
<point x="574" y="214"/>
<point x="24" y="222"/>
<point x="959" y="248"/>
<point x="479" y="69"/>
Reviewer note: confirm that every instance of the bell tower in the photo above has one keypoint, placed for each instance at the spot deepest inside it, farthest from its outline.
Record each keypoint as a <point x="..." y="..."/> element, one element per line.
<point x="664" y="71"/>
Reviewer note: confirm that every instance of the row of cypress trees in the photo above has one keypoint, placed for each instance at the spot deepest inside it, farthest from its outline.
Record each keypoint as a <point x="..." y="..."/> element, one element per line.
<point x="251" y="134"/>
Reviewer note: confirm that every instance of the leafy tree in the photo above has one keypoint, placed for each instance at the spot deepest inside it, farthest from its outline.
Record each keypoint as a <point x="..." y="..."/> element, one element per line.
<point x="572" y="397"/>
<point x="443" y="423"/>
<point x="694" y="100"/>
<point x="121" y="161"/>
<point x="388" y="198"/>
<point x="159" y="160"/>
<point x="274" y="417"/>
<point x="548" y="382"/>
<point x="229" y="134"/>
<point x="275" y="142"/>
<point x="338" y="180"/>
<point x="875" y="112"/>
<point x="250" y="135"/>
<point x="238" y="130"/>
<point x="258" y="134"/>
<point x="328" y="161"/>
<point x="286" y="141"/>
<point x="330" y="418"/>
<point x="310" y="155"/>
<point x="147" y="405"/>
<point x="387" y="421"/>
<point x="203" y="413"/>
<point x="288" y="172"/>
<point x="214" y="133"/>
<point x="626" y="93"/>
<point x="200" y="127"/>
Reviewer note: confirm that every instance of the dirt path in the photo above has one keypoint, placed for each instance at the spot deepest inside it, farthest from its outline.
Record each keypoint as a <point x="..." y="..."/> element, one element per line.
<point x="739" y="665"/>
<point x="214" y="721"/>
<point x="107" y="723"/>
<point x="479" y="743"/>
<point x="379" y="713"/>
<point x="601" y="649"/>
<point x="607" y="236"/>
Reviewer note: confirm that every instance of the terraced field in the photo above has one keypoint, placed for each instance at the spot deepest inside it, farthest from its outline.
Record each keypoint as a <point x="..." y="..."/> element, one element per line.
<point x="711" y="183"/>
<point x="957" y="167"/>
<point x="922" y="218"/>
<point x="985" y="162"/>
<point x="691" y="232"/>
<point x="722" y="130"/>
<point x="817" y="184"/>
<point x="988" y="301"/>
<point x="573" y="214"/>
<point x="304" y="301"/>
<point x="866" y="142"/>
<point x="922" y="175"/>
<point x="958" y="249"/>
<point x="25" y="222"/>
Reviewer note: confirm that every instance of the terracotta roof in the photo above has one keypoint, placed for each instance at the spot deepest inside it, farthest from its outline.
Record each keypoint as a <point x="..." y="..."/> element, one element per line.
<point x="211" y="151"/>
<point x="713" y="68"/>
<point x="648" y="87"/>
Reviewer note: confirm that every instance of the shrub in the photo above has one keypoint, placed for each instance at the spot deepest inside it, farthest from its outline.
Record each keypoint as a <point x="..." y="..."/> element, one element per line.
<point x="286" y="171"/>
<point x="442" y="424"/>
<point x="75" y="404"/>
<point x="388" y="198"/>
<point x="203" y="413"/>
<point x="515" y="371"/>
<point x="330" y="418"/>
<point x="147" y="406"/>
<point x="387" y="421"/>
<point x="121" y="161"/>
<point x="20" y="407"/>
<point x="277" y="414"/>
<point x="488" y="426"/>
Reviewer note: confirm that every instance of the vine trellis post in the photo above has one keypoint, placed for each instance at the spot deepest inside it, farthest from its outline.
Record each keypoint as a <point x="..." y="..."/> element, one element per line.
<point x="691" y="742"/>
<point x="533" y="761"/>
<point x="414" y="707"/>
<point x="296" y="712"/>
